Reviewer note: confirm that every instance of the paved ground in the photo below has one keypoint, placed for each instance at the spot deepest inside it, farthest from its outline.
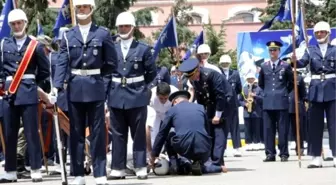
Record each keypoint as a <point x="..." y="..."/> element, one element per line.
<point x="248" y="169"/>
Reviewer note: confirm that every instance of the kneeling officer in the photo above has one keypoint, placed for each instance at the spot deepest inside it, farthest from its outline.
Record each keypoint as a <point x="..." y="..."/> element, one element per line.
<point x="190" y="139"/>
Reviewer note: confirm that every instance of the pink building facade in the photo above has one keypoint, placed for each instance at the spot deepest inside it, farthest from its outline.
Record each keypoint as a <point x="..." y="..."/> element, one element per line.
<point x="235" y="14"/>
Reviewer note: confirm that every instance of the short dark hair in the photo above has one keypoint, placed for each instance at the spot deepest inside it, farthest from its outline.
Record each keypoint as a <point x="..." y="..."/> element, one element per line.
<point x="163" y="88"/>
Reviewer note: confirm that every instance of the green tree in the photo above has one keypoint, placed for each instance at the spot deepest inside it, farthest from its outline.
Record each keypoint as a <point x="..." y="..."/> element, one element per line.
<point x="330" y="12"/>
<point x="311" y="14"/>
<point x="180" y="9"/>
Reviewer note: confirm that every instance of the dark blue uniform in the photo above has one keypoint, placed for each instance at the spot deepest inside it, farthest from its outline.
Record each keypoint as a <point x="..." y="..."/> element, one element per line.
<point x="162" y="76"/>
<point x="128" y="100"/>
<point x="88" y="62"/>
<point x="252" y="120"/>
<point x="302" y="110"/>
<point x="214" y="92"/>
<point x="190" y="138"/>
<point x="321" y="96"/>
<point x="232" y="122"/>
<point x="277" y="83"/>
<point x="24" y="103"/>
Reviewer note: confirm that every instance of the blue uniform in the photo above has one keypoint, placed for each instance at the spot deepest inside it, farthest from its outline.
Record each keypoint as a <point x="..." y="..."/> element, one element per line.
<point x="276" y="82"/>
<point x="302" y="110"/>
<point x="128" y="100"/>
<point x="321" y="95"/>
<point x="190" y="138"/>
<point x="252" y="120"/>
<point x="86" y="64"/>
<point x="24" y="103"/>
<point x="232" y="122"/>
<point x="162" y="76"/>
<point x="214" y="92"/>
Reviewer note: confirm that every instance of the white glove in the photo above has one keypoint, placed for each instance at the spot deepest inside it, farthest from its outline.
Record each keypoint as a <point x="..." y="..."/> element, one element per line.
<point x="52" y="99"/>
<point x="54" y="91"/>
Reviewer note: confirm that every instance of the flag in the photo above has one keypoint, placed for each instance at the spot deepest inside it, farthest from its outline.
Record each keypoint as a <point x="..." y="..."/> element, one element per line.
<point x="39" y="28"/>
<point x="63" y="18"/>
<point x="167" y="38"/>
<point x="4" y="27"/>
<point x="284" y="14"/>
<point x="198" y="41"/>
<point x="299" y="34"/>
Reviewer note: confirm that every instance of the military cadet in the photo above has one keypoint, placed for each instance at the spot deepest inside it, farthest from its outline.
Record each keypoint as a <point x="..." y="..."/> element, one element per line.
<point x="128" y="98"/>
<point x="190" y="138"/>
<point x="88" y="54"/>
<point x="203" y="54"/>
<point x="291" y="110"/>
<point x="251" y="99"/>
<point x="232" y="122"/>
<point x="160" y="103"/>
<point x="214" y="92"/>
<point x="21" y="56"/>
<point x="321" y="95"/>
<point x="276" y="80"/>
<point x="162" y="76"/>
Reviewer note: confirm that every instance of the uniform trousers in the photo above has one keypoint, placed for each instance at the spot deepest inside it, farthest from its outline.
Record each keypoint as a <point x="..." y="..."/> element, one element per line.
<point x="92" y="113"/>
<point x="232" y="126"/>
<point x="12" y="115"/>
<point x="121" y="120"/>
<point x="316" y="126"/>
<point x="252" y="130"/>
<point x="276" y="120"/>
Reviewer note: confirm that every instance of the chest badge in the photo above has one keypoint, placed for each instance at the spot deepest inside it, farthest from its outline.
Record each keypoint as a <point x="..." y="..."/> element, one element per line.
<point x="95" y="52"/>
<point x="136" y="66"/>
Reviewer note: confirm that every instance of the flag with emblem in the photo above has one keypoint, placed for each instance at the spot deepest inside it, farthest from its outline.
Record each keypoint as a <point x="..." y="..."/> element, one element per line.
<point x="63" y="18"/>
<point x="284" y="14"/>
<point x="198" y="41"/>
<point x="4" y="27"/>
<point x="167" y="38"/>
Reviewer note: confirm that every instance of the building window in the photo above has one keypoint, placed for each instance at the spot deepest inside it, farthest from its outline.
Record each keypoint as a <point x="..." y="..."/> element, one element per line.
<point x="244" y="17"/>
<point x="196" y="18"/>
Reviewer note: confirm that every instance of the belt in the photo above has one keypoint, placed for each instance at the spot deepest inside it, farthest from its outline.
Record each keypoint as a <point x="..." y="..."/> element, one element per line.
<point x="323" y="76"/>
<point x="85" y="72"/>
<point x="125" y="80"/>
<point x="25" y="76"/>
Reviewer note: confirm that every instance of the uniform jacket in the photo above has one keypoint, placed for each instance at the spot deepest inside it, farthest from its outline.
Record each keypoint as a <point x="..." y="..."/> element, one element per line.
<point x="191" y="128"/>
<point x="213" y="90"/>
<point x="97" y="52"/>
<point x="276" y="85"/>
<point x="301" y="96"/>
<point x="138" y="62"/>
<point x="163" y="75"/>
<point x="320" y="91"/>
<point x="236" y="85"/>
<point x="257" y="101"/>
<point x="39" y="66"/>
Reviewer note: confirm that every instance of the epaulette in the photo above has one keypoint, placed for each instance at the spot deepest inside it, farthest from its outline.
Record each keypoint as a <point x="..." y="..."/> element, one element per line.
<point x="104" y="28"/>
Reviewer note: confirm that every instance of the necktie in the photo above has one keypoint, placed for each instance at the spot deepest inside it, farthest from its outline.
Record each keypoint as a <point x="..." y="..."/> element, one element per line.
<point x="273" y="66"/>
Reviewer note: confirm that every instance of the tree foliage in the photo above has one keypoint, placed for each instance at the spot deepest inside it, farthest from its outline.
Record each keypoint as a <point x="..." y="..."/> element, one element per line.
<point x="313" y="13"/>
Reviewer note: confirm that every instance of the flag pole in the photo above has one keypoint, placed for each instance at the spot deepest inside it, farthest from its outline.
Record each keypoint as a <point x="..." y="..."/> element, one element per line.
<point x="72" y="12"/>
<point x="295" y="84"/>
<point x="177" y="51"/>
<point x="15" y="3"/>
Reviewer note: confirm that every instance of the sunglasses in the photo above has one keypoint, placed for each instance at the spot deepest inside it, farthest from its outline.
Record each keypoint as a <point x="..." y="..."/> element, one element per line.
<point x="272" y="50"/>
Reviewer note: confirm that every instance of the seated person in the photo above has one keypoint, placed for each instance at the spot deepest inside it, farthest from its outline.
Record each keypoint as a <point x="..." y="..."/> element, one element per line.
<point x="190" y="138"/>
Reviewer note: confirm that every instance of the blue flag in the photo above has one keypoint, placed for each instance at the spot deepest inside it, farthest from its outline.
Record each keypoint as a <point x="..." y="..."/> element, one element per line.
<point x="63" y="18"/>
<point x="198" y="41"/>
<point x="39" y="29"/>
<point x="299" y="34"/>
<point x="284" y="14"/>
<point x="167" y="38"/>
<point x="5" y="30"/>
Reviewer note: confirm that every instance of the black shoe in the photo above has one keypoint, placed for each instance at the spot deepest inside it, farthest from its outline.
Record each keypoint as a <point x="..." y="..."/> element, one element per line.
<point x="37" y="180"/>
<point x="196" y="168"/>
<point x="284" y="159"/>
<point x="269" y="159"/>
<point x="115" y="178"/>
<point x="311" y="166"/>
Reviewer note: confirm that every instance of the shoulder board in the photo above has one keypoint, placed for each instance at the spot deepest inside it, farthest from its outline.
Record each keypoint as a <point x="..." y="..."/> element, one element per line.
<point x="104" y="28"/>
<point x="143" y="43"/>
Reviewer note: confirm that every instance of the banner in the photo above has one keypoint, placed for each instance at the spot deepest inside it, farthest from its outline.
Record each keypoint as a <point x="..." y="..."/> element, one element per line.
<point x="252" y="49"/>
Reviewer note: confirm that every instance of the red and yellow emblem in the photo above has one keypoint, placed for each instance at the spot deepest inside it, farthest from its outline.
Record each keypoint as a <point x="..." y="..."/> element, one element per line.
<point x="23" y="66"/>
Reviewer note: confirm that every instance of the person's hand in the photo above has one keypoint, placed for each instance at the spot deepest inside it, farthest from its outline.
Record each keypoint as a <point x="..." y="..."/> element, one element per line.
<point x="151" y="161"/>
<point x="215" y="120"/>
<point x="253" y="94"/>
<point x="54" y="92"/>
<point x="52" y="99"/>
